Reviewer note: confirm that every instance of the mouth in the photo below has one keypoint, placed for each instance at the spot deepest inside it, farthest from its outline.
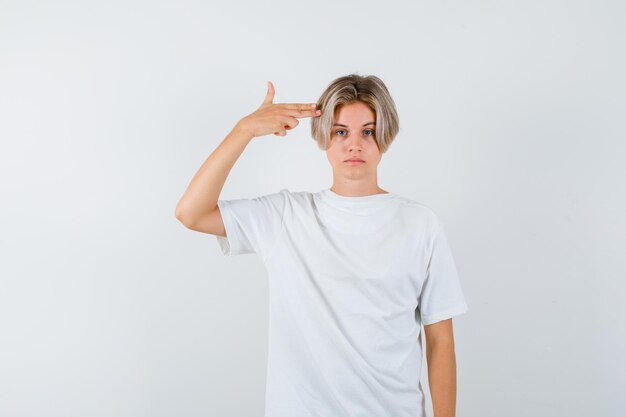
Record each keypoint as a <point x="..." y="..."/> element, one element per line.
<point x="354" y="161"/>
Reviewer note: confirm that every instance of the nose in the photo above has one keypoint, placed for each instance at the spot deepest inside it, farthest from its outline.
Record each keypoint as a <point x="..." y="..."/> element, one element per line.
<point x="355" y="144"/>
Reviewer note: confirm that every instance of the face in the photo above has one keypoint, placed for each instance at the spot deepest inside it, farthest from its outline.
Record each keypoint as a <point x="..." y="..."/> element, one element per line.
<point x="353" y="136"/>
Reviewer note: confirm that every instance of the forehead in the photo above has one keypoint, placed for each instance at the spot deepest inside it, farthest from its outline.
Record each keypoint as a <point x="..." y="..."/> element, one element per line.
<point x="357" y="113"/>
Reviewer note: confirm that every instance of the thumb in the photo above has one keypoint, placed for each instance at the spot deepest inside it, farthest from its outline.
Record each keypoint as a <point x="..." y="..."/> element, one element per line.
<point x="269" y="97"/>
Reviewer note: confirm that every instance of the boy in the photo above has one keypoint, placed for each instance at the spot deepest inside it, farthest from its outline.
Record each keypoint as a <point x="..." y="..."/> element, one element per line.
<point x="349" y="266"/>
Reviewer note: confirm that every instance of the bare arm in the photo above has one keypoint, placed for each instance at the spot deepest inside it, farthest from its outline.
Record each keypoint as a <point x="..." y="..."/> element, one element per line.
<point x="441" y="360"/>
<point x="200" y="199"/>
<point x="197" y="208"/>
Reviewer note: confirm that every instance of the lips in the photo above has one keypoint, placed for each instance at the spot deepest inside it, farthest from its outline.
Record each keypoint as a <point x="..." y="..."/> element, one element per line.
<point x="354" y="160"/>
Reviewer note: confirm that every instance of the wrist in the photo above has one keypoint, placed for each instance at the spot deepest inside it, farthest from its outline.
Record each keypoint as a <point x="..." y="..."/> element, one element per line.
<point x="241" y="131"/>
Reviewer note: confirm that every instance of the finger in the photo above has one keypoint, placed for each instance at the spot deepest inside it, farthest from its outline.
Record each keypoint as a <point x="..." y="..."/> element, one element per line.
<point x="269" y="97"/>
<point x="304" y="113"/>
<point x="287" y="123"/>
<point x="299" y="106"/>
<point x="291" y="123"/>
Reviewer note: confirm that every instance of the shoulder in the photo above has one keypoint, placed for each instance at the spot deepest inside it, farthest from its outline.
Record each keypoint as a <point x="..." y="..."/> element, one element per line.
<point x="281" y="201"/>
<point x="257" y="205"/>
<point x="296" y="197"/>
<point x="277" y="198"/>
<point x="421" y="214"/>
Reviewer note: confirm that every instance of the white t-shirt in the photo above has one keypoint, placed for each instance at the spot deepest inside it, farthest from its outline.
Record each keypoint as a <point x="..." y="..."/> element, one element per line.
<point x="351" y="279"/>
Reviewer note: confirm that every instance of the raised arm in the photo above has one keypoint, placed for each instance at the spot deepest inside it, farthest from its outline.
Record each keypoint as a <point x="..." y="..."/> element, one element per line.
<point x="197" y="208"/>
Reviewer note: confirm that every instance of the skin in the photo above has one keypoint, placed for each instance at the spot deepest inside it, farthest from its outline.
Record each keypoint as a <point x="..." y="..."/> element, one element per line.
<point x="198" y="210"/>
<point x="354" y="140"/>
<point x="441" y="360"/>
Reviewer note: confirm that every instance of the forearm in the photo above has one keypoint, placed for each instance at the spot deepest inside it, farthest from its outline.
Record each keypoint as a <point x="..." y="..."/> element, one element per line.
<point x="205" y="187"/>
<point x="442" y="378"/>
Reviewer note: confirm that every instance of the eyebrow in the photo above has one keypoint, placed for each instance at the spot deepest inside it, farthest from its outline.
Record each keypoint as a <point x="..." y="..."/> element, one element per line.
<point x="338" y="124"/>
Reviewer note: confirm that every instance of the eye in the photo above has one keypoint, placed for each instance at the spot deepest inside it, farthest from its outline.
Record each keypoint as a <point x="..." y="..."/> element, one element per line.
<point x="339" y="130"/>
<point x="370" y="130"/>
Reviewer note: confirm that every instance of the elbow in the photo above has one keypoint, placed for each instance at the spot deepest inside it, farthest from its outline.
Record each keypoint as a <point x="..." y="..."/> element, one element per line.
<point x="178" y="212"/>
<point x="181" y="216"/>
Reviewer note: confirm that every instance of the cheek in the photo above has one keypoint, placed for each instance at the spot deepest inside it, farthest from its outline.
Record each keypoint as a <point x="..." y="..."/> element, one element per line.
<point x="373" y="147"/>
<point x="333" y="151"/>
<point x="333" y="155"/>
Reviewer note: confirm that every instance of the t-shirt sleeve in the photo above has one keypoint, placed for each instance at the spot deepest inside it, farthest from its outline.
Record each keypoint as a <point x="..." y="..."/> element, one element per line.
<point x="252" y="225"/>
<point x="441" y="296"/>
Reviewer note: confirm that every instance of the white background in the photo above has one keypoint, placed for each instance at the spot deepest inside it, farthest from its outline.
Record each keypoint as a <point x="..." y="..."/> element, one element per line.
<point x="512" y="130"/>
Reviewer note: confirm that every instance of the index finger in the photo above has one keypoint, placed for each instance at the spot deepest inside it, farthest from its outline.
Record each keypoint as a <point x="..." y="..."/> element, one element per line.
<point x="300" y="106"/>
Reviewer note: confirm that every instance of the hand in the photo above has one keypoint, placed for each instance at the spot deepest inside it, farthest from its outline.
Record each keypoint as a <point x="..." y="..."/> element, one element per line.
<point x="276" y="118"/>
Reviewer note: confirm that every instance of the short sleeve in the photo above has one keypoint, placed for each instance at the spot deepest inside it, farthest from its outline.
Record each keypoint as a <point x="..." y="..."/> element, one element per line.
<point x="252" y="225"/>
<point x="441" y="296"/>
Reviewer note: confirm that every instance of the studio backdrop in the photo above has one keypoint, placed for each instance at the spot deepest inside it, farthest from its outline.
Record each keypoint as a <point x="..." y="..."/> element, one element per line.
<point x="511" y="130"/>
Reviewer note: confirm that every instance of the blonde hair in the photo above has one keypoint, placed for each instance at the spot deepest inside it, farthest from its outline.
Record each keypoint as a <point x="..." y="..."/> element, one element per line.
<point x="370" y="90"/>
